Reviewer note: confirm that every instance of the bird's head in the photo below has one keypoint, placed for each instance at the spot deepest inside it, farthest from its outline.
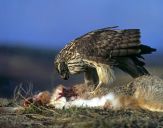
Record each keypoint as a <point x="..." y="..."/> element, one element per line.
<point x="62" y="69"/>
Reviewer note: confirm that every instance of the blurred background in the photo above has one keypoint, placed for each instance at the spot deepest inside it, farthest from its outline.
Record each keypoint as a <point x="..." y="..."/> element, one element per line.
<point x="33" y="31"/>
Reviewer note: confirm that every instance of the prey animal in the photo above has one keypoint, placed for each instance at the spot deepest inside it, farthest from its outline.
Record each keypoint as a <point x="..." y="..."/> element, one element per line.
<point x="98" y="52"/>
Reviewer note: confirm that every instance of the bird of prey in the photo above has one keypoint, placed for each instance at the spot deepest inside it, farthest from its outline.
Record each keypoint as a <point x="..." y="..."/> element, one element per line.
<point x="97" y="52"/>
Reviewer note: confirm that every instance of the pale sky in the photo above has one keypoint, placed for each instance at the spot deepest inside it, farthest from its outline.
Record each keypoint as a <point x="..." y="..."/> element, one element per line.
<point x="53" y="23"/>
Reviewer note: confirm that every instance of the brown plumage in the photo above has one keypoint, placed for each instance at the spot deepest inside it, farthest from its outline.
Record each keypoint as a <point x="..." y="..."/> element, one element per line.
<point x="96" y="52"/>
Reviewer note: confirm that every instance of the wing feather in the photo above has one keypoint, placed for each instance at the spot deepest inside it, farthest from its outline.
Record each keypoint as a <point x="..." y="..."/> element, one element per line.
<point x="108" y="42"/>
<point x="104" y="44"/>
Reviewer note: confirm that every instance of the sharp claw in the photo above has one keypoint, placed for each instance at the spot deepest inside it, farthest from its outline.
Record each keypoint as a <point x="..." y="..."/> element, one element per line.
<point x="93" y="92"/>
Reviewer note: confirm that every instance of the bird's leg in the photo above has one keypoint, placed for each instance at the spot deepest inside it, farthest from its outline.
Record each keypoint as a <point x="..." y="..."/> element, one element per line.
<point x="96" y="88"/>
<point x="91" y="77"/>
<point x="105" y="75"/>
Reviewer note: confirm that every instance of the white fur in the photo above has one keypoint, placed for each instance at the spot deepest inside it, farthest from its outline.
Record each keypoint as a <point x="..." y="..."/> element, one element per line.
<point x="60" y="104"/>
<point x="94" y="102"/>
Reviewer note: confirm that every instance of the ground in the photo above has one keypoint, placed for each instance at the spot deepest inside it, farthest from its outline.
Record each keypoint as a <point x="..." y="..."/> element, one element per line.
<point x="42" y="117"/>
<point x="22" y="64"/>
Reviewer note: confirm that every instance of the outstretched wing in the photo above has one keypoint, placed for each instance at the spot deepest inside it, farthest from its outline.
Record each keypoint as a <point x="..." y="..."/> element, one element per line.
<point x="107" y="43"/>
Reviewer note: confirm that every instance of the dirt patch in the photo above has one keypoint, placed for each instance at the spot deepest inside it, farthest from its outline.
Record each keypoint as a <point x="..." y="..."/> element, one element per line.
<point x="42" y="117"/>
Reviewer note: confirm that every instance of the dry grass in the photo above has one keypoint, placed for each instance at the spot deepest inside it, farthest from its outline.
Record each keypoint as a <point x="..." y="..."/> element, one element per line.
<point x="42" y="117"/>
<point x="46" y="117"/>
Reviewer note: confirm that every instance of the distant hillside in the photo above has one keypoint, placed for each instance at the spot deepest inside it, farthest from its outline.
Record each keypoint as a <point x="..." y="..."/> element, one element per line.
<point x="28" y="65"/>
<point x="25" y="65"/>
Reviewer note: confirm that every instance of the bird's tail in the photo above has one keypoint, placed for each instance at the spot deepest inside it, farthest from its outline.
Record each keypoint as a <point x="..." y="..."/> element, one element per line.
<point x="146" y="49"/>
<point x="133" y="66"/>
